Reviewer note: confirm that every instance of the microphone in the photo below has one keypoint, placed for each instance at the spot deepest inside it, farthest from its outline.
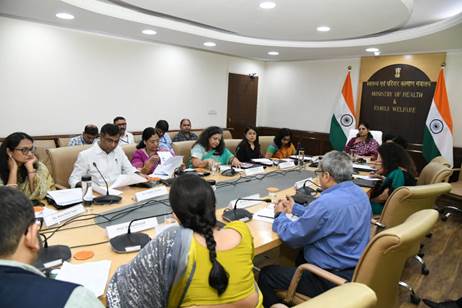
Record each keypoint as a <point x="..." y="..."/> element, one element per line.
<point x="108" y="199"/>
<point x="129" y="242"/>
<point x="241" y="214"/>
<point x="51" y="256"/>
<point x="319" y="189"/>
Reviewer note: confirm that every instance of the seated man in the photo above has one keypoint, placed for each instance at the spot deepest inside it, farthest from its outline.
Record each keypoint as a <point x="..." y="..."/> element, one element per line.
<point x="332" y="231"/>
<point x="125" y="137"/>
<point x="21" y="284"/>
<point x="165" y="142"/>
<point x="106" y="155"/>
<point x="185" y="133"/>
<point x="89" y="135"/>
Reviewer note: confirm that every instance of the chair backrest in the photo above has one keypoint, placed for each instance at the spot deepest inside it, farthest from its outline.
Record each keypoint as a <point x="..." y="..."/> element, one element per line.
<point x="407" y="200"/>
<point x="232" y="144"/>
<point x="137" y="138"/>
<point x="349" y="295"/>
<point x="41" y="149"/>
<point x="62" y="162"/>
<point x="433" y="173"/>
<point x="383" y="260"/>
<point x="183" y="148"/>
<point x="377" y="134"/>
<point x="441" y="160"/>
<point x="63" y="141"/>
<point x="129" y="149"/>
<point x="265" y="141"/>
<point x="227" y="134"/>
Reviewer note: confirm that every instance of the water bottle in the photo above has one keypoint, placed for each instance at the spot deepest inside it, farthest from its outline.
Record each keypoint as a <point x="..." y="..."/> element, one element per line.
<point x="87" y="190"/>
<point x="301" y="158"/>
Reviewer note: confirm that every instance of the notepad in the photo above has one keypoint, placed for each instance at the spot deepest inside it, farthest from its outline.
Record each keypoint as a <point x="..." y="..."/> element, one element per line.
<point x="91" y="275"/>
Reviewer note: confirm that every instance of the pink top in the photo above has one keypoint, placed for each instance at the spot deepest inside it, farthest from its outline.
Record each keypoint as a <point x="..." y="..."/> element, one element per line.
<point x="139" y="157"/>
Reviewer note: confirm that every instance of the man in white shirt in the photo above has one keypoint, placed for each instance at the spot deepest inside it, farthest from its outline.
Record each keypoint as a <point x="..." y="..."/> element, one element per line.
<point x="125" y="137"/>
<point x="106" y="155"/>
<point x="21" y="284"/>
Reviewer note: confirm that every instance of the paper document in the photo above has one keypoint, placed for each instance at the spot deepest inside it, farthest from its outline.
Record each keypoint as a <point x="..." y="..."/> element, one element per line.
<point x="264" y="161"/>
<point x="168" y="167"/>
<point x="91" y="275"/>
<point x="66" y="196"/>
<point x="164" y="156"/>
<point x="265" y="214"/>
<point x="102" y="190"/>
<point x="366" y="177"/>
<point x="128" y="179"/>
<point x="363" y="167"/>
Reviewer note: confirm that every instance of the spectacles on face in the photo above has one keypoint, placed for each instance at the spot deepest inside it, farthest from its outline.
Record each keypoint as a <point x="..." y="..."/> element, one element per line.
<point x="26" y="150"/>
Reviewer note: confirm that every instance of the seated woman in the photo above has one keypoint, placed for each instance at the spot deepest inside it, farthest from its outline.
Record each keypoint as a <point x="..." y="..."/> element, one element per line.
<point x="145" y="158"/>
<point x="249" y="147"/>
<point x="194" y="264"/>
<point x="19" y="167"/>
<point x="398" y="170"/>
<point x="363" y="144"/>
<point x="209" y="148"/>
<point x="282" y="147"/>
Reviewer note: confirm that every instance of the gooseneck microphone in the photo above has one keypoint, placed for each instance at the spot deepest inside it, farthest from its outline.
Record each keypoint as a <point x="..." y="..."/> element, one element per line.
<point x="51" y="256"/>
<point x="129" y="241"/>
<point x="107" y="199"/>
<point x="241" y="214"/>
<point x="319" y="189"/>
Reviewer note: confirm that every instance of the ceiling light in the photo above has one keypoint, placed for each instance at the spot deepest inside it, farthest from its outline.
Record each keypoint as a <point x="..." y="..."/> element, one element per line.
<point x="149" y="32"/>
<point x="268" y="5"/>
<point x="323" y="28"/>
<point x="372" y="49"/>
<point x="66" y="16"/>
<point x="376" y="53"/>
<point x="273" y="53"/>
<point x="210" y="44"/>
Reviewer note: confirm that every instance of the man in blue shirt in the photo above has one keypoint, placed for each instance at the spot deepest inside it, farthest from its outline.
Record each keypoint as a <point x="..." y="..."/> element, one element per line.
<point x="332" y="231"/>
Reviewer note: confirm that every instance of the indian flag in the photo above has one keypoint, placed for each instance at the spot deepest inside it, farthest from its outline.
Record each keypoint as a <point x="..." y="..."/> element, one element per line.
<point x="437" y="139"/>
<point x="343" y="119"/>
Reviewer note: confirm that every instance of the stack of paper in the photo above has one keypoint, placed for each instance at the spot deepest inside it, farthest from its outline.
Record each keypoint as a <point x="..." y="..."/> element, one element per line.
<point x="66" y="196"/>
<point x="263" y="161"/>
<point x="168" y="166"/>
<point x="91" y="275"/>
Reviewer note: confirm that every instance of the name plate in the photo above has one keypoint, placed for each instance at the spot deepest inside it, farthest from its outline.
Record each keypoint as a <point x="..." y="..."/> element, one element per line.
<point x="245" y="203"/>
<point x="287" y="165"/>
<point x="151" y="193"/>
<point x="140" y="225"/>
<point x="299" y="184"/>
<point x="58" y="217"/>
<point x="254" y="171"/>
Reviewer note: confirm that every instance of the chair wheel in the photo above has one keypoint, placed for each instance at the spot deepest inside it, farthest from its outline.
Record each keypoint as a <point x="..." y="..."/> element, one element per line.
<point x="415" y="299"/>
<point x="425" y="271"/>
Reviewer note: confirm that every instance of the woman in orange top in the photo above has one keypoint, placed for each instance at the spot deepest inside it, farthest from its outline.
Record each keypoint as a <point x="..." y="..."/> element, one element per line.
<point x="282" y="147"/>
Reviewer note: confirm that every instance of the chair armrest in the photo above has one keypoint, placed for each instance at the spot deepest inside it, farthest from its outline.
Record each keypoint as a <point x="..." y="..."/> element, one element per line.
<point x="377" y="223"/>
<point x="315" y="270"/>
<point x="59" y="187"/>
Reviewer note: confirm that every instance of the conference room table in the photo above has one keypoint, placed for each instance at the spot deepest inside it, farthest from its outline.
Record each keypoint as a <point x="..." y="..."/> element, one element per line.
<point x="79" y="235"/>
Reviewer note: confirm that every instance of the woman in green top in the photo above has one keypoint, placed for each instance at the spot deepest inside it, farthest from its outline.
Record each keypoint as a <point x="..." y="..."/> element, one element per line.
<point x="20" y="168"/>
<point x="398" y="170"/>
<point x="209" y="148"/>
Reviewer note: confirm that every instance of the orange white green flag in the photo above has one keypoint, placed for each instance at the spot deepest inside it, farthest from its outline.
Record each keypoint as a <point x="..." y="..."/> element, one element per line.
<point x="343" y="118"/>
<point x="438" y="134"/>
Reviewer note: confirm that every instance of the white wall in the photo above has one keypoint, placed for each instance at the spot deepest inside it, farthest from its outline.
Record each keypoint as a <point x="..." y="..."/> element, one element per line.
<point x="302" y="94"/>
<point x="454" y="87"/>
<point x="55" y="80"/>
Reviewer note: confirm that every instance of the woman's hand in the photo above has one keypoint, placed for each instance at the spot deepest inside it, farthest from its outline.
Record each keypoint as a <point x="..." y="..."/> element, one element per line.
<point x="12" y="165"/>
<point x="382" y="198"/>
<point x="30" y="164"/>
<point x="235" y="162"/>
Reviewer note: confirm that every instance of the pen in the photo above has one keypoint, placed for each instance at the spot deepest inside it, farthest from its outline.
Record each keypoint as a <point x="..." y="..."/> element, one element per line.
<point x="265" y="216"/>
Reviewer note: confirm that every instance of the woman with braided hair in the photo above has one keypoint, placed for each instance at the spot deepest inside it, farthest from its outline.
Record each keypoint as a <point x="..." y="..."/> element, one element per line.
<point x="196" y="264"/>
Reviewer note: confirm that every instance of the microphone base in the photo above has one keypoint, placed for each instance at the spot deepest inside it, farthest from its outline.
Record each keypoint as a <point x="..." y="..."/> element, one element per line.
<point x="237" y="214"/>
<point x="108" y="199"/>
<point x="126" y="243"/>
<point x="52" y="253"/>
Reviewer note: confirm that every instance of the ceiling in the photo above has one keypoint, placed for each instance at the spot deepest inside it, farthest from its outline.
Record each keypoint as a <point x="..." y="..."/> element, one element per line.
<point x="242" y="28"/>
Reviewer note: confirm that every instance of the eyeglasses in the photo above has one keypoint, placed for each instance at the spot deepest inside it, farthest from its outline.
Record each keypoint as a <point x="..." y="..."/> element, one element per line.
<point x="318" y="172"/>
<point x="26" y="151"/>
